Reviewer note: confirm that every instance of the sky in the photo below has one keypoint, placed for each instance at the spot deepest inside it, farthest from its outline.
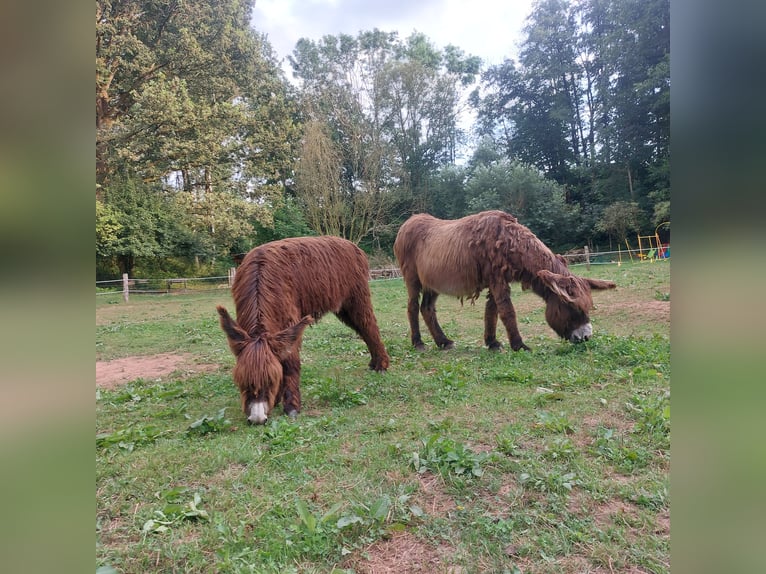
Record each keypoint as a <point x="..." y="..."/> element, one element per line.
<point x="490" y="29"/>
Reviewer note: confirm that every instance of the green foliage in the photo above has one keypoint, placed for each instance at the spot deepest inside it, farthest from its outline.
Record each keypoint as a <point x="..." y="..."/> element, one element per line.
<point x="652" y="414"/>
<point x="556" y="423"/>
<point x="174" y="510"/>
<point x="210" y="424"/>
<point x="588" y="102"/>
<point x="214" y="148"/>
<point x="579" y="122"/>
<point x="150" y="224"/>
<point x="625" y="455"/>
<point x="336" y="529"/>
<point x="107" y="229"/>
<point x="388" y="111"/>
<point x="549" y="481"/>
<point x="288" y="221"/>
<point x="619" y="218"/>
<point x="522" y="190"/>
<point x="129" y="438"/>
<point x="443" y="455"/>
<point x="659" y="296"/>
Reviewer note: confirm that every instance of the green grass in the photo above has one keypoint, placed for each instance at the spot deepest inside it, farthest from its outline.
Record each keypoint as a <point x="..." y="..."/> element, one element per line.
<point x="555" y="460"/>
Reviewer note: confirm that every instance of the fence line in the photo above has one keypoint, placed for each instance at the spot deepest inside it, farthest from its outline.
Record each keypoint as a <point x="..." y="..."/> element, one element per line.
<point x="181" y="284"/>
<point x="175" y="279"/>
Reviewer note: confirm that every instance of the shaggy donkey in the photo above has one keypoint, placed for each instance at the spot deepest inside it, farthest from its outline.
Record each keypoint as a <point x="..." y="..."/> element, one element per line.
<point x="488" y="250"/>
<point x="279" y="289"/>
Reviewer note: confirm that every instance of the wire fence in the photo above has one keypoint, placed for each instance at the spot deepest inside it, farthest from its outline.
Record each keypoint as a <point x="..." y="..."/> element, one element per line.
<point x="186" y="285"/>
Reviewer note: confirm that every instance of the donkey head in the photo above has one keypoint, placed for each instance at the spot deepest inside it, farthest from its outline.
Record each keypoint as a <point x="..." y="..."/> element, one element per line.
<point x="258" y="371"/>
<point x="568" y="303"/>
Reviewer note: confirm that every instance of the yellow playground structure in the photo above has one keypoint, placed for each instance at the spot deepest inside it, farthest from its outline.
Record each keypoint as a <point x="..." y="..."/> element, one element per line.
<point x="653" y="247"/>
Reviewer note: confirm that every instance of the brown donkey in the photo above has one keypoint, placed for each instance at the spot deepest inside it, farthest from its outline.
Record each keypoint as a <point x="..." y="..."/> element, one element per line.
<point x="279" y="289"/>
<point x="489" y="250"/>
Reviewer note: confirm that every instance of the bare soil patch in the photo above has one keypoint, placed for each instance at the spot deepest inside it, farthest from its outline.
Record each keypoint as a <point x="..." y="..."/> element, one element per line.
<point x="401" y="554"/>
<point x="432" y="498"/>
<point x="646" y="310"/>
<point x="111" y="374"/>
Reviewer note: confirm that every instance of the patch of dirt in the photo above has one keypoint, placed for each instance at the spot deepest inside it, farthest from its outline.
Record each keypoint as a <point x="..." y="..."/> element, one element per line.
<point x="642" y="311"/>
<point x="576" y="563"/>
<point x="585" y="436"/>
<point x="663" y="523"/>
<point x="401" y="554"/>
<point x="612" y="512"/>
<point x="112" y="374"/>
<point x="432" y="498"/>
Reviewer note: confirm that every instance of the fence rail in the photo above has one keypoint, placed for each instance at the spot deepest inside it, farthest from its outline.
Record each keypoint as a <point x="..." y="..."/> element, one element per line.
<point x="178" y="285"/>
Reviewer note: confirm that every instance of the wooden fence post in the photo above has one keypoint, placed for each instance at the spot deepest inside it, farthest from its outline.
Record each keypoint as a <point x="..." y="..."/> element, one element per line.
<point x="587" y="257"/>
<point x="125" y="286"/>
<point x="232" y="274"/>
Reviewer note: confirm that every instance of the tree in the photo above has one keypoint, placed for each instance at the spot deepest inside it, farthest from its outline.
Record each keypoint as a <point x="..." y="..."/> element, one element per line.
<point x="108" y="228"/>
<point x="317" y="181"/>
<point x="630" y="41"/>
<point x="620" y="218"/>
<point x="164" y="56"/>
<point x="391" y="108"/>
<point x="192" y="101"/>
<point x="523" y="191"/>
<point x="588" y="101"/>
<point x="420" y="103"/>
<point x="139" y="222"/>
<point x="447" y="190"/>
<point x="329" y="207"/>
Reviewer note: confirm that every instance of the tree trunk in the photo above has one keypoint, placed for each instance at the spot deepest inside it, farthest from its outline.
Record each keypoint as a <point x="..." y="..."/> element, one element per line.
<point x="126" y="262"/>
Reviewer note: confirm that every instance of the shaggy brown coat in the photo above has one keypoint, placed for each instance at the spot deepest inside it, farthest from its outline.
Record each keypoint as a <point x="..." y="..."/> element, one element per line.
<point x="488" y="250"/>
<point x="280" y="288"/>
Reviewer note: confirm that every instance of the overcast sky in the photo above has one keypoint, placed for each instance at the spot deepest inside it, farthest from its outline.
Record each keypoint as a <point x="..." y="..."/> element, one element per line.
<point x="490" y="29"/>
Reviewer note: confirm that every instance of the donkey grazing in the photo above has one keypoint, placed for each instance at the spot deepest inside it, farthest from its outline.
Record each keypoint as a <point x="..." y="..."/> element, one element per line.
<point x="279" y="289"/>
<point x="489" y="250"/>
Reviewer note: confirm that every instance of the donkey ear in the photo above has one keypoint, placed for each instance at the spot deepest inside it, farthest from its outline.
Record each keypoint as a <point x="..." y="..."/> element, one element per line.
<point x="237" y="336"/>
<point x="284" y="342"/>
<point x="600" y="284"/>
<point x="557" y="283"/>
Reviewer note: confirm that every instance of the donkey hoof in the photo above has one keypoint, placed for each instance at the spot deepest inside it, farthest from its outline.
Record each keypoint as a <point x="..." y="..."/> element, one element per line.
<point x="448" y="346"/>
<point x="496" y="346"/>
<point x="293" y="414"/>
<point x="419" y="347"/>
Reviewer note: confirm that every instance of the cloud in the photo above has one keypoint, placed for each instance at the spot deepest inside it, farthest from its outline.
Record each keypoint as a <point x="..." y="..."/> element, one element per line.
<point x="489" y="29"/>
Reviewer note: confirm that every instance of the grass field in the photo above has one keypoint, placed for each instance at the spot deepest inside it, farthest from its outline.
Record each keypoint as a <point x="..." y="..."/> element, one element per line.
<point x="461" y="461"/>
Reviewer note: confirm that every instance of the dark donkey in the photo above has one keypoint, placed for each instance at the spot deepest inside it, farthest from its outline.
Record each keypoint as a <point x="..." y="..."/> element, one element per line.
<point x="489" y="250"/>
<point x="279" y="289"/>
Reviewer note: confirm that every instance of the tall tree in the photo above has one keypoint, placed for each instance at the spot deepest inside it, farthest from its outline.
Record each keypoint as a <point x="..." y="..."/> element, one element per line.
<point x="390" y="105"/>
<point x="421" y="102"/>
<point x="588" y="101"/>
<point x="190" y="97"/>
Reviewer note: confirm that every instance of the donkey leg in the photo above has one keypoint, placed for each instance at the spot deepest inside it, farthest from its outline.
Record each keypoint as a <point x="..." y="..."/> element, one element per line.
<point x="490" y="325"/>
<point x="502" y="295"/>
<point x="291" y="391"/>
<point x="362" y="320"/>
<point x="413" y="307"/>
<point x="428" y="309"/>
